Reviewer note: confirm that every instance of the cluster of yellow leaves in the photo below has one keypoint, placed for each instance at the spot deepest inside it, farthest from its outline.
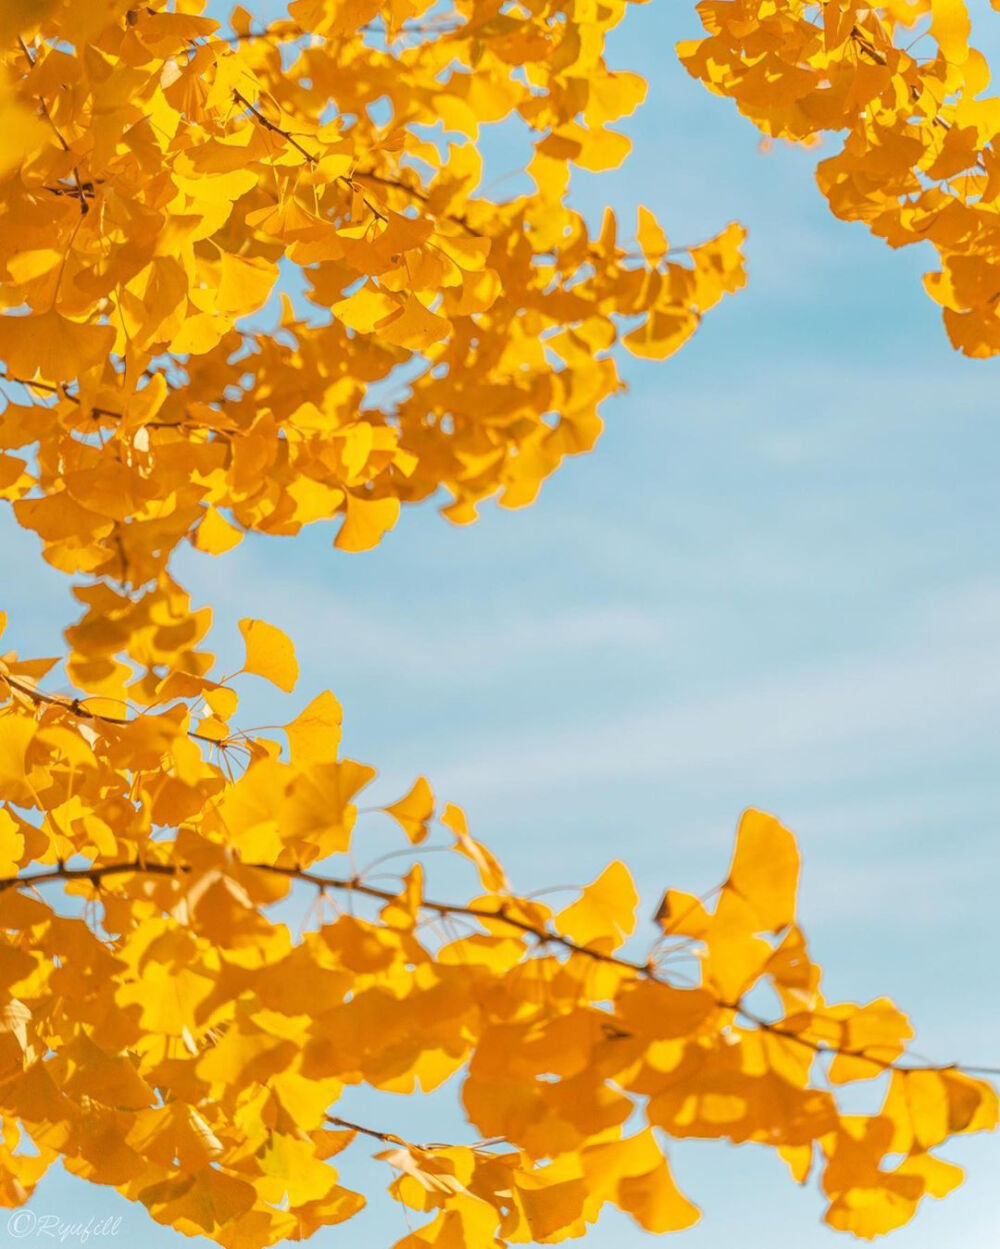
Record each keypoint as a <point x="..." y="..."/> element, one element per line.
<point x="178" y="1041"/>
<point x="169" y="170"/>
<point x="919" y="160"/>
<point x="162" y="1028"/>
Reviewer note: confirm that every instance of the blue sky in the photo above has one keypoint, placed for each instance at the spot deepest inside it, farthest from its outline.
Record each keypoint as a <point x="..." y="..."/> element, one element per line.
<point x="775" y="583"/>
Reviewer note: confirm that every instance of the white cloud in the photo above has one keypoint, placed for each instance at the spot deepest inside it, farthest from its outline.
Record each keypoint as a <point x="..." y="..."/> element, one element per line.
<point x="426" y="638"/>
<point x="934" y="694"/>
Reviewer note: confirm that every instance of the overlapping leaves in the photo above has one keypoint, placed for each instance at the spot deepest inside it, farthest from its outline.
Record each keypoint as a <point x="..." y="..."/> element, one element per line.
<point x="180" y="1042"/>
<point x="445" y="342"/>
<point x="918" y="161"/>
<point x="163" y="1029"/>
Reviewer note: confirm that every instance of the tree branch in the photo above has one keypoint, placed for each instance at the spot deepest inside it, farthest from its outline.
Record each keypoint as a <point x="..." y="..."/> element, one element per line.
<point x="546" y="936"/>
<point x="75" y="707"/>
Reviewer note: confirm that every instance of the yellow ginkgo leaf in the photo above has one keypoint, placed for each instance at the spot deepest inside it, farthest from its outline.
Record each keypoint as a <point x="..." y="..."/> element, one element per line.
<point x="51" y="347"/>
<point x="951" y="26"/>
<point x="215" y="534"/>
<point x="28" y="265"/>
<point x="16" y="734"/>
<point x="662" y="333"/>
<point x="244" y="284"/>
<point x="11" y="844"/>
<point x="651" y="237"/>
<point x="736" y="957"/>
<point x="205" y="1200"/>
<point x="314" y="734"/>
<point x="414" y="810"/>
<point x="414" y="326"/>
<point x="490" y="872"/>
<point x="363" y="310"/>
<point x="633" y="1173"/>
<point x="604" y="915"/>
<point x="765" y="870"/>
<point x="682" y="914"/>
<point x="269" y="654"/>
<point x="365" y="522"/>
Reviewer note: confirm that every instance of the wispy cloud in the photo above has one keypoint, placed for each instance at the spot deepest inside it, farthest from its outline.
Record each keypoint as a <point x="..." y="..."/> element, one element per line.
<point x="935" y="694"/>
<point x="423" y="640"/>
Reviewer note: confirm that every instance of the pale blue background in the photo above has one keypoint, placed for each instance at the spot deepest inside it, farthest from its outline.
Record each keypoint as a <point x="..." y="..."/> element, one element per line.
<point x="775" y="583"/>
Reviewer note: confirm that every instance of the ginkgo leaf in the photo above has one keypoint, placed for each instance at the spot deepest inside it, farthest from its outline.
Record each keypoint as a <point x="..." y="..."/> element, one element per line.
<point x="736" y="958"/>
<point x="445" y="1172"/>
<point x="323" y="17"/>
<point x="939" y="1177"/>
<point x="414" y="326"/>
<point x="314" y="734"/>
<point x="363" y="310"/>
<point x="269" y="654"/>
<point x="874" y="1036"/>
<point x="651" y="237"/>
<point x="551" y="1204"/>
<point x="168" y="998"/>
<point x="198" y="334"/>
<point x="404" y="910"/>
<point x="51" y="347"/>
<point x="318" y="810"/>
<point x="366" y="521"/>
<point x="215" y="534"/>
<point x="28" y="265"/>
<point x="633" y="1173"/>
<point x="604" y="915"/>
<point x="414" y="810"/>
<point x="661" y="334"/>
<point x="244" y="283"/>
<point x="245" y="1055"/>
<point x="175" y="1131"/>
<point x="491" y="873"/>
<point x="765" y="870"/>
<point x="951" y="27"/>
<point x="683" y="914"/>
<point x="655" y="1202"/>
<point x="208" y="1199"/>
<point x="11" y="843"/>
<point x="300" y="1176"/>
<point x="16" y="735"/>
<point x="107" y="1078"/>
